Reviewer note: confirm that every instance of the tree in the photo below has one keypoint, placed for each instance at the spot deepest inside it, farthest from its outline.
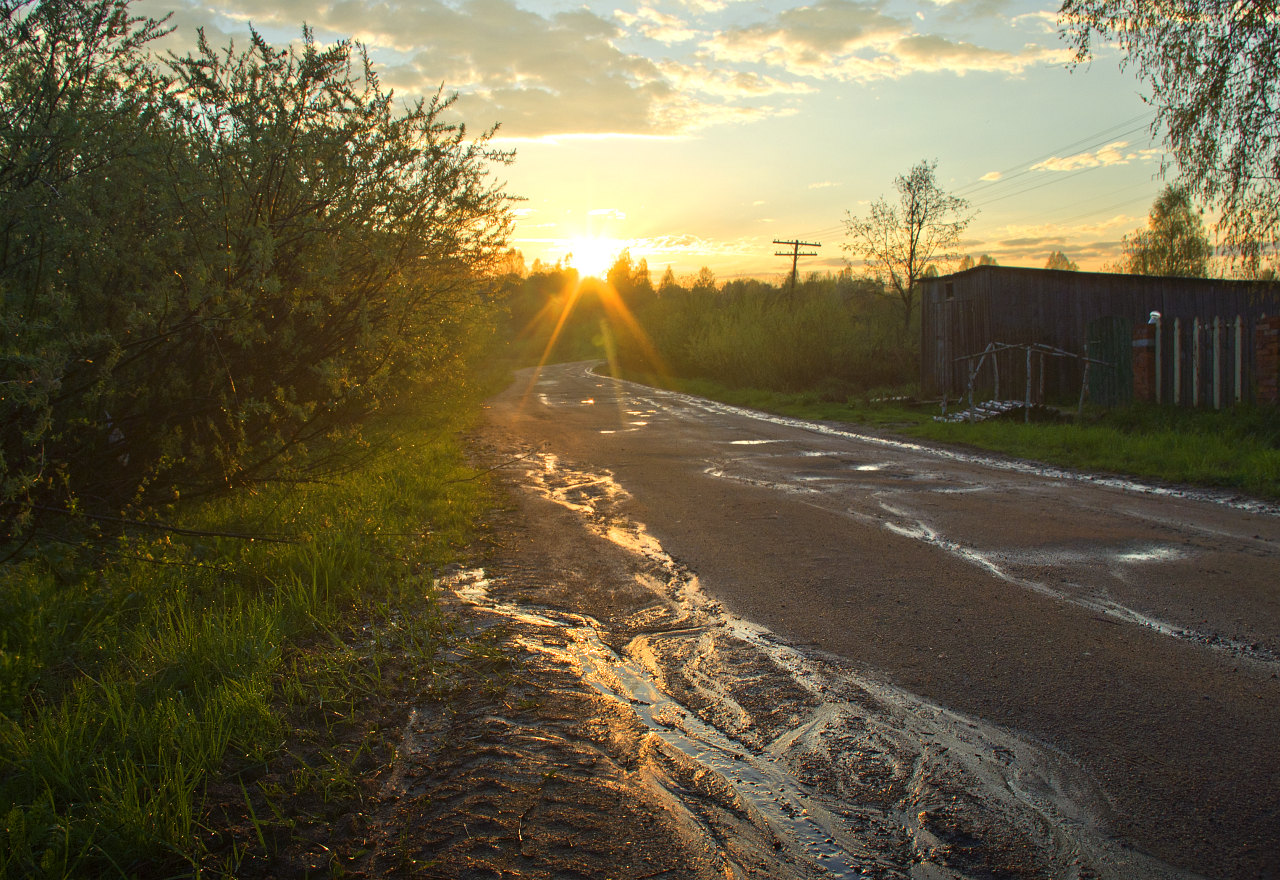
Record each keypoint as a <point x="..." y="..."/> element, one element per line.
<point x="1174" y="242"/>
<point x="668" y="284"/>
<point x="1058" y="260"/>
<point x="898" y="241"/>
<point x="987" y="260"/>
<point x="1214" y="74"/>
<point x="621" y="272"/>
<point x="511" y="263"/>
<point x="704" y="282"/>
<point x="641" y="279"/>
<point x="966" y="263"/>
<point x="211" y="272"/>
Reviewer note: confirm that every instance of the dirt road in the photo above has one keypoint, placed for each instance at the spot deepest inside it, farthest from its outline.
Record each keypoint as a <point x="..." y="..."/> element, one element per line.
<point x="840" y="655"/>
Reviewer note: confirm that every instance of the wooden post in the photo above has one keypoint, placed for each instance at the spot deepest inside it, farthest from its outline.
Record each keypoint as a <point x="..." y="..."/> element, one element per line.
<point x="1266" y="342"/>
<point x="1239" y="361"/>
<point x="1084" y="385"/>
<point x="1197" y="345"/>
<point x="1217" y="362"/>
<point x="1026" y="408"/>
<point x="1040" y="383"/>
<point x="1159" y="361"/>
<point x="1177" y="361"/>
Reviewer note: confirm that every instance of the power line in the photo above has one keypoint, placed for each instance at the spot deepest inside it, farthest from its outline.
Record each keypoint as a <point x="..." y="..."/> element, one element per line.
<point x="1096" y="139"/>
<point x="990" y="190"/>
<point x="795" y="255"/>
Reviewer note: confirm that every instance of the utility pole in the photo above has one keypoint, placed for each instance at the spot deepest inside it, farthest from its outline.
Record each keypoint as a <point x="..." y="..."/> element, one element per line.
<point x="795" y="255"/>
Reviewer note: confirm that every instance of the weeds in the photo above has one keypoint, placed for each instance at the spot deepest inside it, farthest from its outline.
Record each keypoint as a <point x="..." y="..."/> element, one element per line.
<point x="136" y="683"/>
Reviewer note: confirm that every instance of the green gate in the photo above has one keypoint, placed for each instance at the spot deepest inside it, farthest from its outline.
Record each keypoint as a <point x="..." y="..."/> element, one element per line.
<point x="1110" y="340"/>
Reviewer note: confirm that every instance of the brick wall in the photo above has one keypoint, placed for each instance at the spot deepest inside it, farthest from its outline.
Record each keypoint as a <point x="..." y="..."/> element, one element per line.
<point x="1266" y="339"/>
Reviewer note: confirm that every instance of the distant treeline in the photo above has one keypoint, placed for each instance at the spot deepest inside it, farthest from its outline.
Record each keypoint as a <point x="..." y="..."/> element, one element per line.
<point x="212" y="267"/>
<point x="833" y="333"/>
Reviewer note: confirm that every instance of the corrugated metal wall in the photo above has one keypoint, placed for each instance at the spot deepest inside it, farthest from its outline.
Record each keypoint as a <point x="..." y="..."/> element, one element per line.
<point x="962" y="313"/>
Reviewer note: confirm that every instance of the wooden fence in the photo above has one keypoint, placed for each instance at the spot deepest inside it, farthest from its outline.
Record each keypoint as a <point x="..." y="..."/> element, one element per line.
<point x="1216" y="362"/>
<point x="1094" y="315"/>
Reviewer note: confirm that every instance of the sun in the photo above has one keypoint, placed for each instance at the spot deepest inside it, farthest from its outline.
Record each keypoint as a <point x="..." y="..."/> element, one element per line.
<point x="594" y="256"/>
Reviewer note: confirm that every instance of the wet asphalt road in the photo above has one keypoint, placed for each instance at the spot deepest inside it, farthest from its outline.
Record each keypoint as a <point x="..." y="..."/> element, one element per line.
<point x="1135" y="630"/>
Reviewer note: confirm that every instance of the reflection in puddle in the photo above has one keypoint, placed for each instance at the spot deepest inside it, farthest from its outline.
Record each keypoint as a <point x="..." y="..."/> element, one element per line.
<point x="788" y="808"/>
<point x="751" y="442"/>
<point x="849" y="776"/>
<point x="590" y="401"/>
<point x="1153" y="554"/>
<point x="1014" y="465"/>
<point x="909" y="526"/>
<point x="764" y="484"/>
<point x="1069" y="555"/>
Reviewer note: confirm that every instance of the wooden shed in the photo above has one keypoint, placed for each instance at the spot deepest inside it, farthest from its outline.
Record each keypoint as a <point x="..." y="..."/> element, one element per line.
<point x="1087" y="313"/>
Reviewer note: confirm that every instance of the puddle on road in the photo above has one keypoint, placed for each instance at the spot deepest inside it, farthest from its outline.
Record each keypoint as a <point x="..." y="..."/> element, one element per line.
<point x="1014" y="465"/>
<point x="849" y="776"/>
<point x="912" y="527"/>
<point x="907" y="525"/>
<point x="787" y="809"/>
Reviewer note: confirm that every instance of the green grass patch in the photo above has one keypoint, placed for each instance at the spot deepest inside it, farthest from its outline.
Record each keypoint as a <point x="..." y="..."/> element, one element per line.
<point x="1237" y="448"/>
<point x="180" y="704"/>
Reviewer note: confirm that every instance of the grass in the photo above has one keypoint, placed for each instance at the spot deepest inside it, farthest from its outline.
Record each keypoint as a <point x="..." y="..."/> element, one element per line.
<point x="164" y="698"/>
<point x="1237" y="449"/>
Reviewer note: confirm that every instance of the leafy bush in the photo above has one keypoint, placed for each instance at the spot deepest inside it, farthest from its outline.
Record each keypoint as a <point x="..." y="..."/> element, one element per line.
<point x="214" y="269"/>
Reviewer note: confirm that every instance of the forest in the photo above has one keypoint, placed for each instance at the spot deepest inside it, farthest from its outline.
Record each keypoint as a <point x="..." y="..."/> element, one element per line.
<point x="835" y="334"/>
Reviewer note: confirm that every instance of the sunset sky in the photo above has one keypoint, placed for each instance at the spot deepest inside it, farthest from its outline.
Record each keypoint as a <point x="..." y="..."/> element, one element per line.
<point x="695" y="132"/>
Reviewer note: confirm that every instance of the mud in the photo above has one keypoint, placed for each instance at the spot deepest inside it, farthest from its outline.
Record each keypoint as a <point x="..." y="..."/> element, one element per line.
<point x="1128" y="630"/>
<point x="645" y="731"/>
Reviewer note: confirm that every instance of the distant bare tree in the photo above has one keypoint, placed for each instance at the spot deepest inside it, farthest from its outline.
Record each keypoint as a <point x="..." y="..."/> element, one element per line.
<point x="898" y="241"/>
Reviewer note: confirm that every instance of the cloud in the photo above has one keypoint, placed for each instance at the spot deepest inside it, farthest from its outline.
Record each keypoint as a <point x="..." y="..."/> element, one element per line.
<point x="933" y="54"/>
<point x="859" y="42"/>
<point x="704" y="6"/>
<point x="1116" y="153"/>
<point x="1092" y="245"/>
<point x="826" y="184"/>
<point x="727" y="83"/>
<point x="545" y="75"/>
<point x="1044" y="21"/>
<point x="689" y="245"/>
<point x="991" y="176"/>
<point x="968" y="10"/>
<point x="806" y="40"/>
<point x="655" y="25"/>
<point x="538" y="74"/>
